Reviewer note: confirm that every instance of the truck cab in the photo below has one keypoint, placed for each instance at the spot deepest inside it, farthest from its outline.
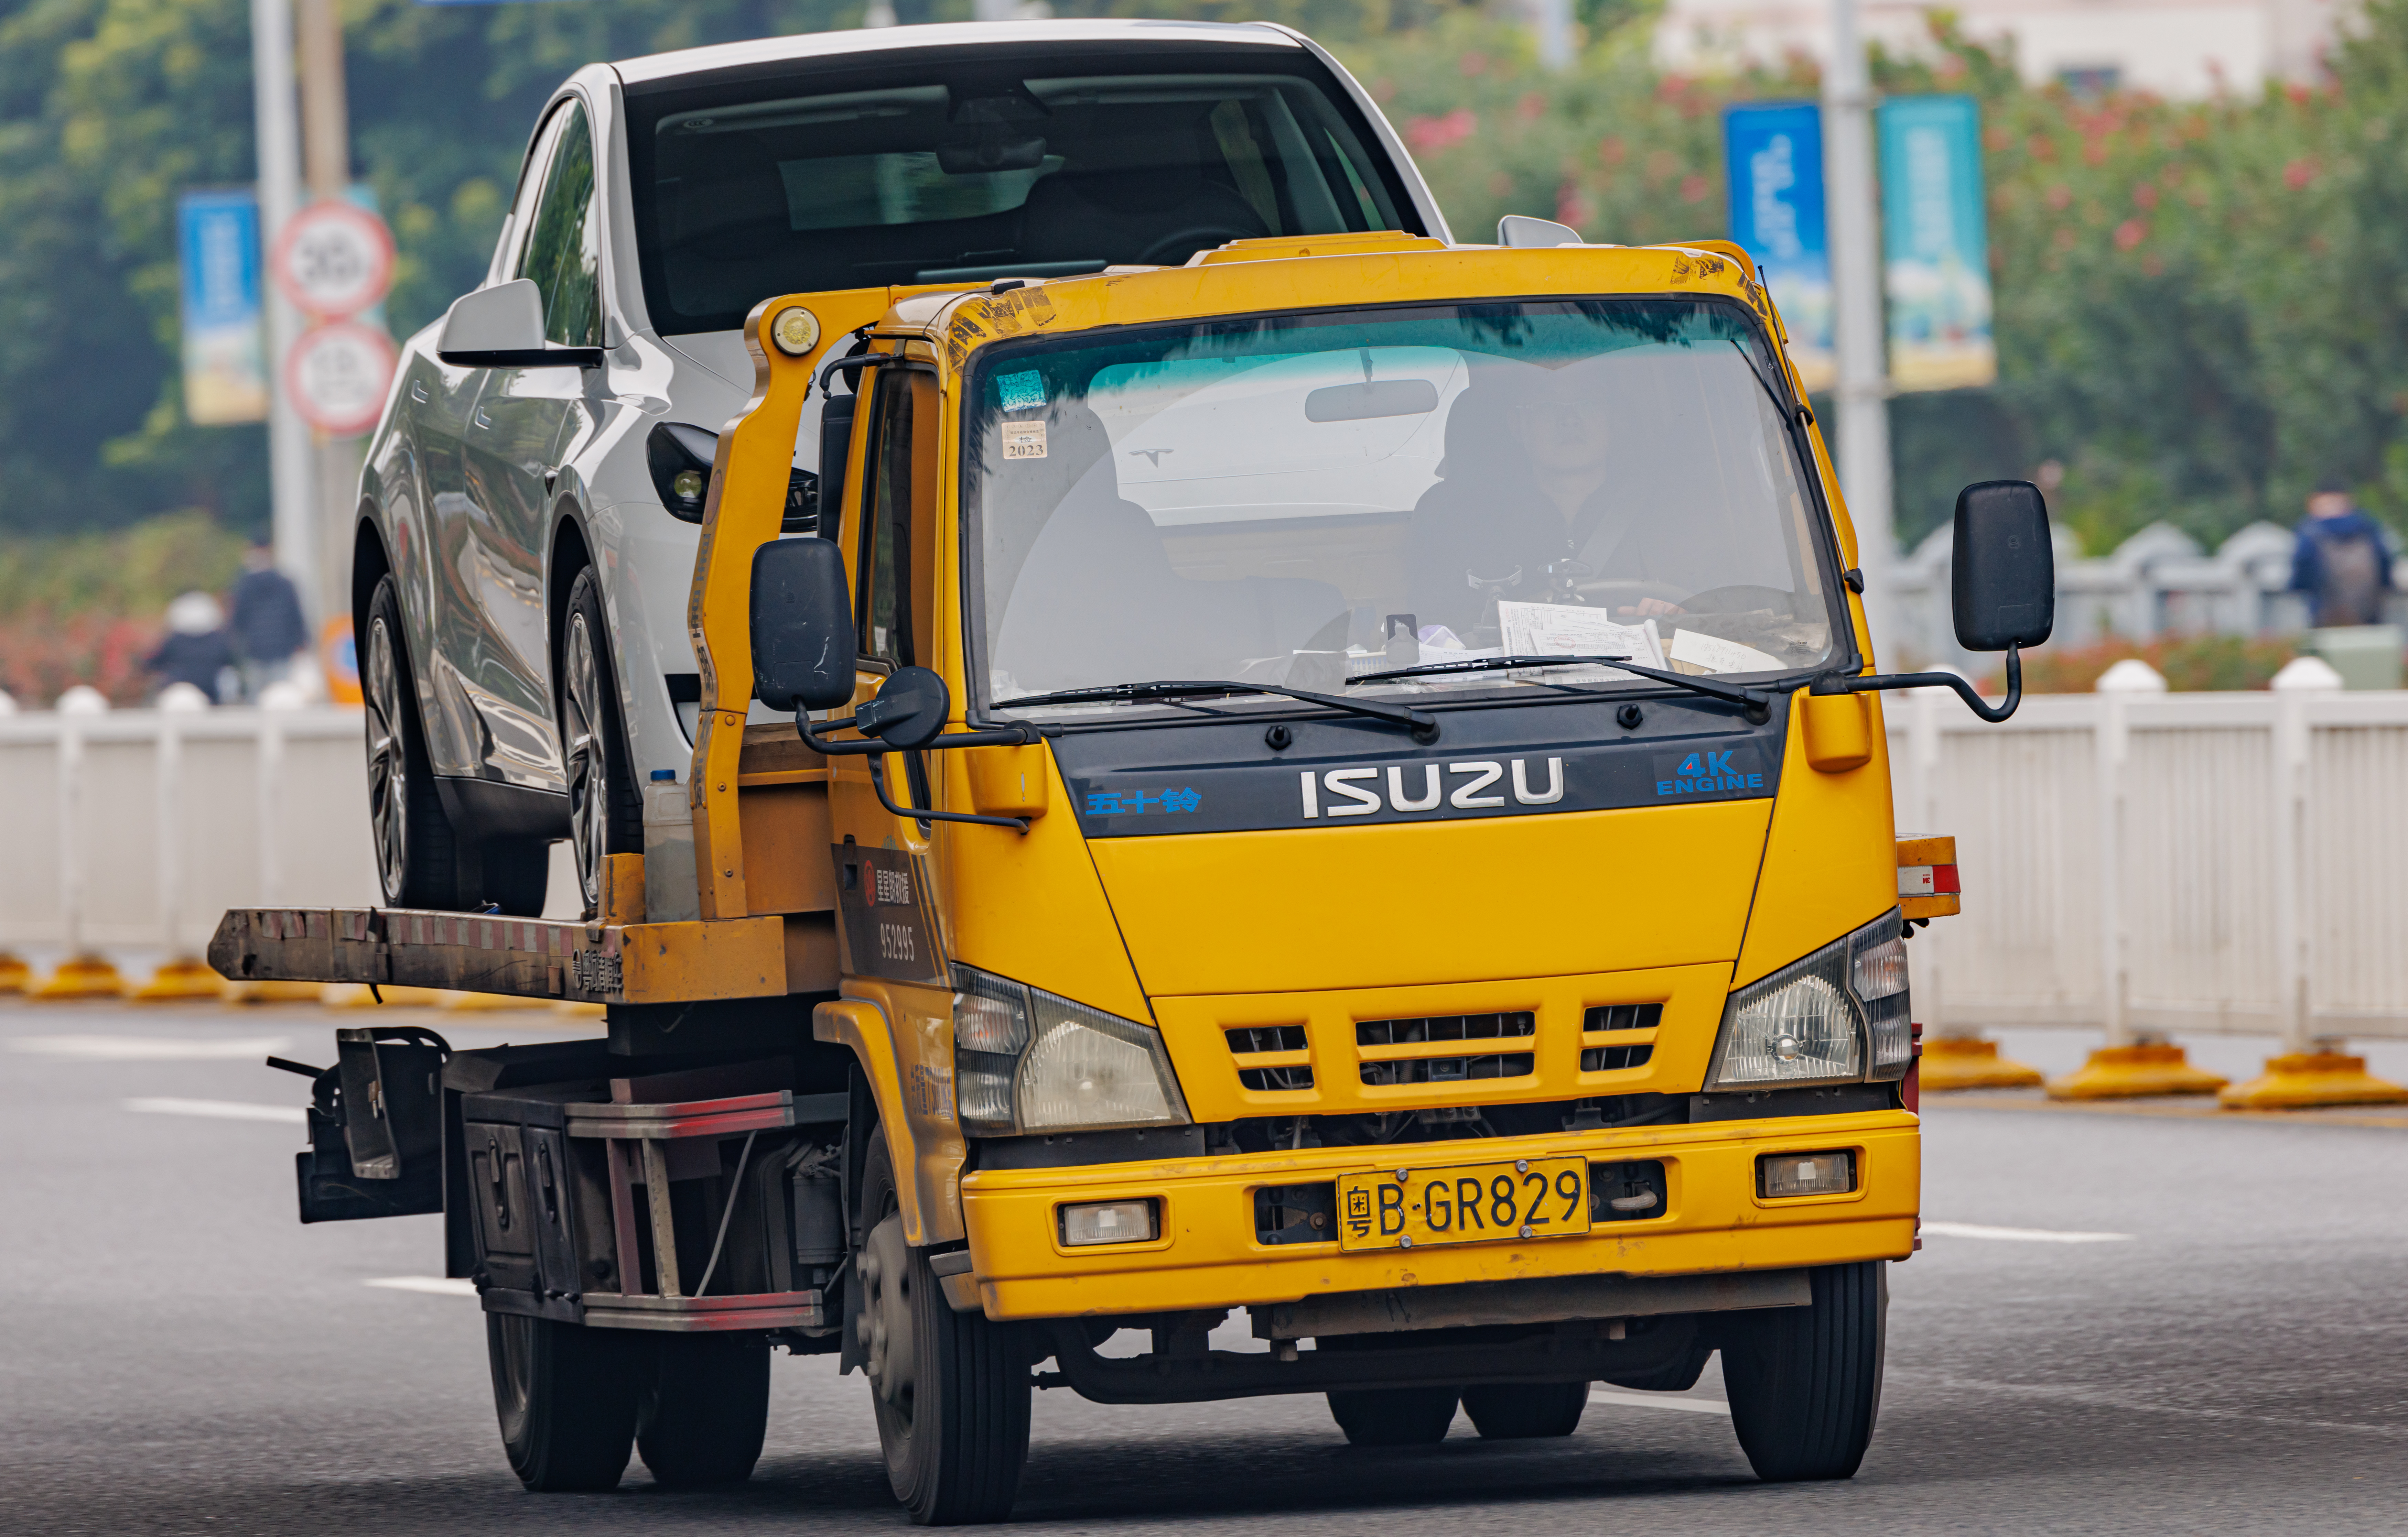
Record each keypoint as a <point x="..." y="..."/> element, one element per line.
<point x="1325" y="805"/>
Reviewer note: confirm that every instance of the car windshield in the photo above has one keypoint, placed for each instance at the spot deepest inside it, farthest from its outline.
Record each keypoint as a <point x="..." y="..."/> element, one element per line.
<point x="936" y="176"/>
<point x="1306" y="500"/>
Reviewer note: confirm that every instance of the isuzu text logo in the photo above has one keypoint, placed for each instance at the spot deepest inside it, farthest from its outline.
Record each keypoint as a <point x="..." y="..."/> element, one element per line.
<point x="1706" y="774"/>
<point x="1463" y="787"/>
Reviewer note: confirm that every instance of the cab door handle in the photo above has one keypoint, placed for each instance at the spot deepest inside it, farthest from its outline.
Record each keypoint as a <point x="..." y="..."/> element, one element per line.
<point x="481" y="419"/>
<point x="418" y="391"/>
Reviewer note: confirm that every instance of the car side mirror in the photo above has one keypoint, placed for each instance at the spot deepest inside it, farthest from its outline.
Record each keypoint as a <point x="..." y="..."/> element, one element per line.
<point x="2004" y="588"/>
<point x="910" y="710"/>
<point x="802" y="626"/>
<point x="502" y="327"/>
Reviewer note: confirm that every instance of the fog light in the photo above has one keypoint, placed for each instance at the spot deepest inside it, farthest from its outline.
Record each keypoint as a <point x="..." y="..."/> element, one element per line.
<point x="687" y="484"/>
<point x="1805" y="1173"/>
<point x="1107" y="1222"/>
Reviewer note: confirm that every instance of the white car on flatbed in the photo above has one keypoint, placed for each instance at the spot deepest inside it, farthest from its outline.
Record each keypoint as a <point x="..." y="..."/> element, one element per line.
<point x="529" y="508"/>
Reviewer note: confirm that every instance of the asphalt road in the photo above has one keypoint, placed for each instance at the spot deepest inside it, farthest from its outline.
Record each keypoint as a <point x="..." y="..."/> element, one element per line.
<point x="177" y="1355"/>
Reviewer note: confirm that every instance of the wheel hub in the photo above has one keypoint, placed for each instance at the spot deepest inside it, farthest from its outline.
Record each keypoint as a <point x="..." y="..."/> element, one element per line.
<point x="885" y="1324"/>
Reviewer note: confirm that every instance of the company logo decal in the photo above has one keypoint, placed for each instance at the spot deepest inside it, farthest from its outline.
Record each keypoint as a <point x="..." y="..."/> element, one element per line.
<point x="1468" y="787"/>
<point x="1706" y="774"/>
<point x="1120" y="803"/>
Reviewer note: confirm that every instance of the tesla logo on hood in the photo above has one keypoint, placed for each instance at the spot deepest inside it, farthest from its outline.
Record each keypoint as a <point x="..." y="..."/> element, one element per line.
<point x="1420" y="787"/>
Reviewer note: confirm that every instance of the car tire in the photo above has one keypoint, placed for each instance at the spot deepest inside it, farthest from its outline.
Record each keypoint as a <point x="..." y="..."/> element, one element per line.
<point x="1394" y="1417"/>
<point x="951" y="1389"/>
<point x="704" y="1419"/>
<point x="1519" y="1411"/>
<point x="417" y="853"/>
<point x="567" y="1397"/>
<point x="605" y="807"/>
<point x="1804" y="1383"/>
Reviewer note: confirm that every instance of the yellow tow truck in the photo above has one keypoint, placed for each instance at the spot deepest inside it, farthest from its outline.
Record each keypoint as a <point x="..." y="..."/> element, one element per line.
<point x="1335" y="817"/>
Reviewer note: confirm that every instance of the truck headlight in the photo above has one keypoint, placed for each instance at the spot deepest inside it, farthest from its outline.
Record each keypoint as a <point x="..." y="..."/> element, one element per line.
<point x="1838" y="1016"/>
<point x="1028" y="1061"/>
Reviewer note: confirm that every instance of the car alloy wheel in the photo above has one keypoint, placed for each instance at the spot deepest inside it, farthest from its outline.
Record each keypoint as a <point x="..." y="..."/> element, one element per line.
<point x="388" y="763"/>
<point x="589" y="759"/>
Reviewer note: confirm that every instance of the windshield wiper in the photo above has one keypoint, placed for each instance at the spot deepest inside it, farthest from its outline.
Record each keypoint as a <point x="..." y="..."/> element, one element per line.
<point x="1757" y="703"/>
<point x="1423" y="724"/>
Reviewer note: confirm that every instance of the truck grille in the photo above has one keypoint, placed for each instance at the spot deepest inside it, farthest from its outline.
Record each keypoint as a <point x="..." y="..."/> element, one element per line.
<point x="1272" y="1059"/>
<point x="1615" y="1018"/>
<point x="1392" y="1067"/>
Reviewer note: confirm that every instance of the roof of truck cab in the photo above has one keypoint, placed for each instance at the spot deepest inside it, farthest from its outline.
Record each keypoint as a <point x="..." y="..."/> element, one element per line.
<point x="864" y="42"/>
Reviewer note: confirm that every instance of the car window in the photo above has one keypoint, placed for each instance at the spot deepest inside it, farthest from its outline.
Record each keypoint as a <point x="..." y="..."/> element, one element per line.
<point x="562" y="247"/>
<point x="886" y="616"/>
<point x="1036" y="170"/>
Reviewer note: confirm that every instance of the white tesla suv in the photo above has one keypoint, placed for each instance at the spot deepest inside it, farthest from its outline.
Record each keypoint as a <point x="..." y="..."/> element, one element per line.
<point x="528" y="511"/>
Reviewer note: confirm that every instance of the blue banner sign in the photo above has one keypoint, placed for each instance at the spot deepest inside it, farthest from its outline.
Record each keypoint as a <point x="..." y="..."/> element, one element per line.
<point x="225" y="365"/>
<point x="1936" y="245"/>
<point x="1773" y="165"/>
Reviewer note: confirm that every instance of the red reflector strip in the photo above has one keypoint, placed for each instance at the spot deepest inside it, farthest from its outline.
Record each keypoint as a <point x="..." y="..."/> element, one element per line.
<point x="1944" y="878"/>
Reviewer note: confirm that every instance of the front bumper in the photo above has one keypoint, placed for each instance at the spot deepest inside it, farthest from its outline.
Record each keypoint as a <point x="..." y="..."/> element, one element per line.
<point x="1208" y="1257"/>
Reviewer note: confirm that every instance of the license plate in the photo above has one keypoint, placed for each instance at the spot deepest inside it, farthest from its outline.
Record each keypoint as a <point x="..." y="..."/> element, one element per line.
<point x="1469" y="1204"/>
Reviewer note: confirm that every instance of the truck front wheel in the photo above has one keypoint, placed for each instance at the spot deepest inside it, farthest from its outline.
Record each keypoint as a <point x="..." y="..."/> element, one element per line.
<point x="566" y="1396"/>
<point x="1804" y="1383"/>
<point x="709" y="1409"/>
<point x="951" y="1389"/>
<point x="1393" y="1417"/>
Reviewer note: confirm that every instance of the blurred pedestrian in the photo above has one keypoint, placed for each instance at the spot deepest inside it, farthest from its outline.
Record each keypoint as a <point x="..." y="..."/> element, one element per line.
<point x="268" y="629"/>
<point x="2342" y="560"/>
<point x="196" y="649"/>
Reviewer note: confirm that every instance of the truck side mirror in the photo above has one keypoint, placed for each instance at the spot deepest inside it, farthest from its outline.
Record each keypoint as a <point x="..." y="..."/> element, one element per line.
<point x="2005" y="578"/>
<point x="802" y="626"/>
<point x="909" y="709"/>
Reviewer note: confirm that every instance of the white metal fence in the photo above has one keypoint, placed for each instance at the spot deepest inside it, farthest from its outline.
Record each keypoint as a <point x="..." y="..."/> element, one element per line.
<point x="2181" y="863"/>
<point x="2170" y="862"/>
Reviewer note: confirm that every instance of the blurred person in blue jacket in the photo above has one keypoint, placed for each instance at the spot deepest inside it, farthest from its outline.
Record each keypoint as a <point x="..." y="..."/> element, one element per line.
<point x="268" y="629"/>
<point x="2342" y="560"/>
<point x="196" y="649"/>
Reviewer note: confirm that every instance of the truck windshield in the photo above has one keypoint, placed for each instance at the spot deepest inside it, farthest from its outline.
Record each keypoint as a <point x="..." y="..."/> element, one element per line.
<point x="936" y="176"/>
<point x="1302" y="500"/>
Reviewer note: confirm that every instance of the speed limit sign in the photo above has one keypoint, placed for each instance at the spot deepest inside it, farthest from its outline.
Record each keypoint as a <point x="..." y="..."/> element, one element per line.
<point x="338" y="376"/>
<point x="332" y="260"/>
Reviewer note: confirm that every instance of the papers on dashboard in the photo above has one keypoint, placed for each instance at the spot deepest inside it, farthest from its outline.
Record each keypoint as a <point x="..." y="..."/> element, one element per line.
<point x="1694" y="651"/>
<point x="1571" y="630"/>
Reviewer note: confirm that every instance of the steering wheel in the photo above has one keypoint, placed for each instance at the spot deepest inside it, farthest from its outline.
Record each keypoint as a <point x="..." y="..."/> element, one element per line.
<point x="1740" y="598"/>
<point x="1176" y="248"/>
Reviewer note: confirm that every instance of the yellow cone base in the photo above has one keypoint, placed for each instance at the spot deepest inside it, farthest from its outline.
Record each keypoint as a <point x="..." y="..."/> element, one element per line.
<point x="356" y="995"/>
<point x="2306" y="1079"/>
<point x="273" y="992"/>
<point x="177" y="980"/>
<point x="85" y="976"/>
<point x="2132" y="1072"/>
<point x="580" y="1011"/>
<point x="15" y="975"/>
<point x="1966" y="1062"/>
<point x="478" y="1002"/>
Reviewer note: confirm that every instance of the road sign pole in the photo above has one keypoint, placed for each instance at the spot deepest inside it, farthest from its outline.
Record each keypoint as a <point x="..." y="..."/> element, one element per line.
<point x="1856" y="321"/>
<point x="291" y="457"/>
<point x="326" y="152"/>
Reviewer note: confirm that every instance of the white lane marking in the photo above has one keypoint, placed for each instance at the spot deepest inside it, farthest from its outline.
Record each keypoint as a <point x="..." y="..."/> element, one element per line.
<point x="439" y="1286"/>
<point x="2022" y="1235"/>
<point x="147" y="1049"/>
<point x="1655" y="1401"/>
<point x="220" y="1110"/>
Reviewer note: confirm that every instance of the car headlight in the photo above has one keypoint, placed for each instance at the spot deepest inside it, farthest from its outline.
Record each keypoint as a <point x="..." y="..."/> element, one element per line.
<point x="1838" y="1016"/>
<point x="1027" y="1061"/>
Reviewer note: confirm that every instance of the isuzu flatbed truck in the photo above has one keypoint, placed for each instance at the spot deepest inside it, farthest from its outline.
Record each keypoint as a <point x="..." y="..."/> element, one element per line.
<point x="1338" y="787"/>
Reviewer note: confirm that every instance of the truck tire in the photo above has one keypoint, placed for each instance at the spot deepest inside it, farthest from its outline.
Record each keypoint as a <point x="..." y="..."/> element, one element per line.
<point x="1805" y="1382"/>
<point x="951" y="1389"/>
<point x="417" y="854"/>
<point x="1393" y="1417"/>
<point x="566" y="1396"/>
<point x="605" y="806"/>
<point x="1516" y="1411"/>
<point x="703" y="1421"/>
